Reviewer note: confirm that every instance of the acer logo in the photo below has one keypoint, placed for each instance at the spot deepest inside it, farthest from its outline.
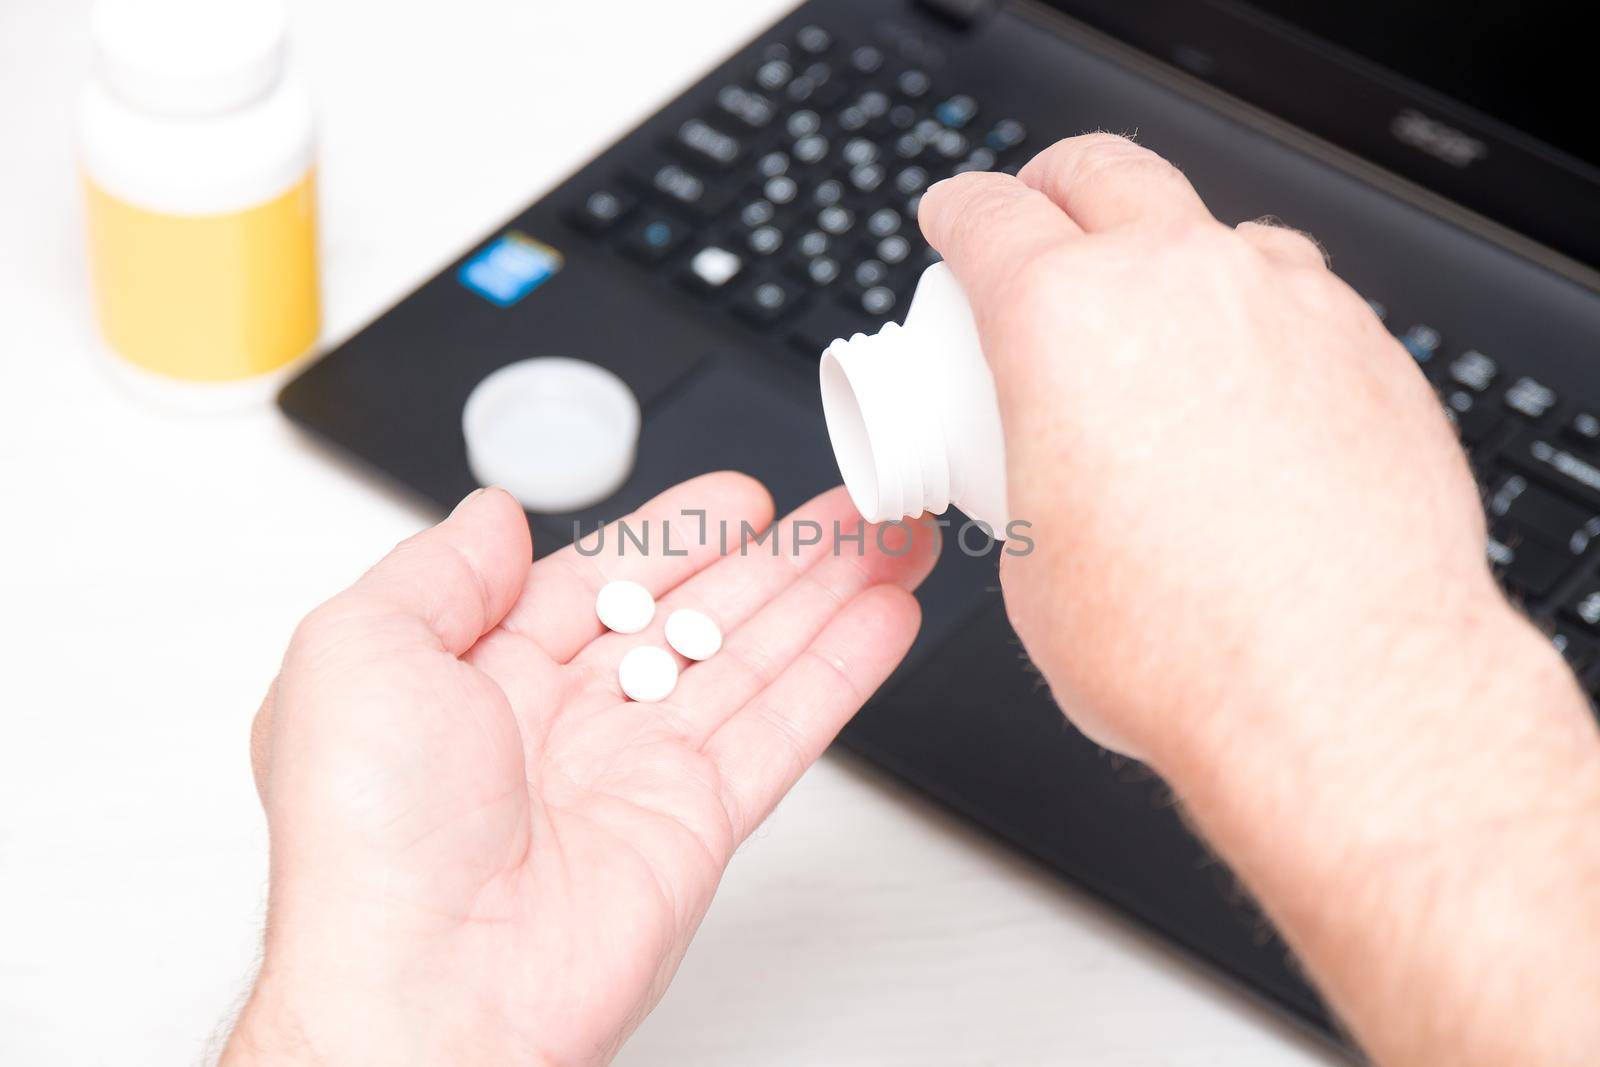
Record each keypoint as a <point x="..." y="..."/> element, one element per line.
<point x="1442" y="142"/>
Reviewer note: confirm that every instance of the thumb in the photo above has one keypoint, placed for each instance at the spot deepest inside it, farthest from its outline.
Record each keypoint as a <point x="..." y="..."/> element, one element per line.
<point x="438" y="591"/>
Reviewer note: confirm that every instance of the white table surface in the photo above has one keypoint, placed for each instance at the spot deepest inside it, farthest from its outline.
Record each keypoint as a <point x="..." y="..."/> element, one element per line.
<point x="154" y="565"/>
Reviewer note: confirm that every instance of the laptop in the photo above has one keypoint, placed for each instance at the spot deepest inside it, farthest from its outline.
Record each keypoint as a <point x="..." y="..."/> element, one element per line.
<point x="710" y="254"/>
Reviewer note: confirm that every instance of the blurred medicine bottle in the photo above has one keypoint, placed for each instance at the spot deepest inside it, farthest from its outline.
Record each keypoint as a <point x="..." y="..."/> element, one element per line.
<point x="197" y="148"/>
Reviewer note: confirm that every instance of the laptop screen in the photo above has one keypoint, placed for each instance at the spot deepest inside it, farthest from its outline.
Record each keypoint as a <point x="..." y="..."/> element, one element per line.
<point x="1487" y="103"/>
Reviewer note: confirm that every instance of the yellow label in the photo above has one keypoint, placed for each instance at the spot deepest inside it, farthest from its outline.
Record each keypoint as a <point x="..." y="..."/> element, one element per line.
<point x="206" y="298"/>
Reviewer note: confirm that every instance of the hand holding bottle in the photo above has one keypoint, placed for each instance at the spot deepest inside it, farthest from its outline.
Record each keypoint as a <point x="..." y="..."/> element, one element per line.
<point x="1223" y="454"/>
<point x="1259" y="564"/>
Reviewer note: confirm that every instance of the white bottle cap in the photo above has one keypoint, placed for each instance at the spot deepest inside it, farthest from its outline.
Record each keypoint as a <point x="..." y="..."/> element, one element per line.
<point x="189" y="57"/>
<point x="558" y="434"/>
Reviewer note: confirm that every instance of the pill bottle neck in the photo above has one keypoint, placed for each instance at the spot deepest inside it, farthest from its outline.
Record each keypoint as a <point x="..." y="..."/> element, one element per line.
<point x="885" y="417"/>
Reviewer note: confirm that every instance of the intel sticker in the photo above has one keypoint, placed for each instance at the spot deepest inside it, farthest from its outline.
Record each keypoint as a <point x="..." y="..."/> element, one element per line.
<point x="510" y="268"/>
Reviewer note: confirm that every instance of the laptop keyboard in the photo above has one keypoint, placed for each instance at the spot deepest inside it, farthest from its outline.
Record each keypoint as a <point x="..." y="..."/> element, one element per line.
<point x="791" y="203"/>
<point x="1537" y="458"/>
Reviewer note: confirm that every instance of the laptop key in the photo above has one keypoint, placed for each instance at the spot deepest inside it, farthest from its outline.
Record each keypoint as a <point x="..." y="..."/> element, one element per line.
<point x="1474" y="370"/>
<point x="704" y="143"/>
<point x="879" y="301"/>
<point x="869" y="273"/>
<point x="684" y="188"/>
<point x="812" y="243"/>
<point x="781" y="189"/>
<point x="654" y="237"/>
<point x="1421" y="341"/>
<point x="1530" y="398"/>
<point x="1556" y="466"/>
<point x="603" y="209"/>
<point x="810" y="149"/>
<point x="1543" y="515"/>
<point x="822" y="270"/>
<point x="758" y="212"/>
<point x="950" y="144"/>
<point x="774" y="74"/>
<point x="773" y="164"/>
<point x="747" y="105"/>
<point x="1005" y="135"/>
<point x="820" y="70"/>
<point x="713" y="267"/>
<point x="802" y="123"/>
<point x="957" y="111"/>
<point x="908" y="147"/>
<point x="1525" y="566"/>
<point x="827" y="193"/>
<point x="1584" y="429"/>
<point x="764" y="240"/>
<point x="913" y="84"/>
<point x="859" y="151"/>
<point x="893" y="249"/>
<point x="867" y="177"/>
<point x="814" y="40"/>
<point x="866" y="59"/>
<point x="883" y="222"/>
<point x="876" y="104"/>
<point x="911" y="181"/>
<point x="767" y="301"/>
<point x="835" y="220"/>
<point x="854" y="119"/>
<point x="1583" y="607"/>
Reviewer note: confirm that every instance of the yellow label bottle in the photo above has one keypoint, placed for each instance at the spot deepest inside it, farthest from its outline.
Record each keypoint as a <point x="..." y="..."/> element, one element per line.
<point x="197" y="152"/>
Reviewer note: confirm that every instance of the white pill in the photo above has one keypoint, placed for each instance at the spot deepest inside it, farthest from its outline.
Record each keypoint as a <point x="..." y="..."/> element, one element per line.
<point x="648" y="673"/>
<point x="626" y="607"/>
<point x="693" y="634"/>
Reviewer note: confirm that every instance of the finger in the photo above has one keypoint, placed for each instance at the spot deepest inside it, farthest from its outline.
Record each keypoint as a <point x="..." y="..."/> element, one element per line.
<point x="762" y="751"/>
<point x="987" y="226"/>
<point x="1105" y="182"/>
<point x="455" y="581"/>
<point x="556" y="610"/>
<point x="755" y="654"/>
<point x="1284" y="244"/>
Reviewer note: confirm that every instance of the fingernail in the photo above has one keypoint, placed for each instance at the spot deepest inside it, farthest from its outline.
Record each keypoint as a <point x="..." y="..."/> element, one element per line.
<point x="469" y="498"/>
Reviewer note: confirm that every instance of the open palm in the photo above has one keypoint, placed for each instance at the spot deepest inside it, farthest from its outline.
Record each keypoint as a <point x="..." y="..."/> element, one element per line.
<point x="477" y="842"/>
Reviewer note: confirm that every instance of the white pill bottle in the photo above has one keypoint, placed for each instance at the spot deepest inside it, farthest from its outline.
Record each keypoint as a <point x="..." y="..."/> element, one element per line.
<point x="196" y="147"/>
<point x="913" y="415"/>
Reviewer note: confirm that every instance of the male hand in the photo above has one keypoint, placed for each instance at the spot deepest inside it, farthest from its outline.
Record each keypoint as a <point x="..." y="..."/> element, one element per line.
<point x="1259" y="565"/>
<point x="1224" y="454"/>
<point x="482" y="853"/>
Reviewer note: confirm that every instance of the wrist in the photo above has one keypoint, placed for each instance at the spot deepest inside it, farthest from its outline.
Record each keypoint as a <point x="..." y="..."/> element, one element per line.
<point x="1398" y="739"/>
<point x="265" y="1034"/>
<point x="1386" y="809"/>
<point x="290" y="1020"/>
<point x="1390" y="716"/>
